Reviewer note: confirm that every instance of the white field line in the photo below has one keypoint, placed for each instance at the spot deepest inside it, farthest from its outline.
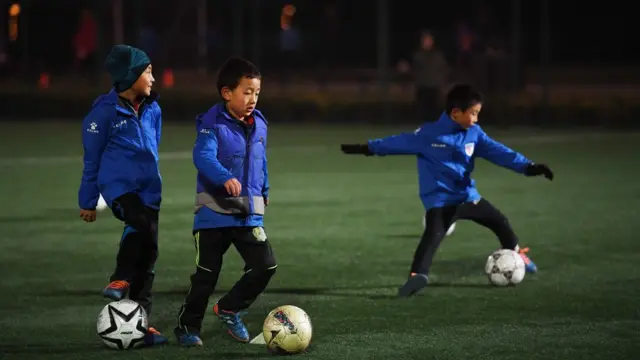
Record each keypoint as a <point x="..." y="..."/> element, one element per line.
<point x="186" y="155"/>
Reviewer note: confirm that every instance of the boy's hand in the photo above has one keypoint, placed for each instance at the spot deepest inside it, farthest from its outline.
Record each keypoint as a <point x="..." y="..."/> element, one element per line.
<point x="88" y="215"/>
<point x="356" y="149"/>
<point x="266" y="201"/>
<point x="233" y="187"/>
<point x="539" y="169"/>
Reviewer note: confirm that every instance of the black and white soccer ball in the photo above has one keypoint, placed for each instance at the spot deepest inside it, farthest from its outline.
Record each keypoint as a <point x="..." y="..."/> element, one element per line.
<point x="505" y="267"/>
<point x="449" y="231"/>
<point x="122" y="324"/>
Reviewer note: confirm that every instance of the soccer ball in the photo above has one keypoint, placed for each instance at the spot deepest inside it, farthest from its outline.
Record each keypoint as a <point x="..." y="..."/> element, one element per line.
<point x="505" y="267"/>
<point x="287" y="330"/>
<point x="102" y="204"/>
<point x="449" y="232"/>
<point x="122" y="324"/>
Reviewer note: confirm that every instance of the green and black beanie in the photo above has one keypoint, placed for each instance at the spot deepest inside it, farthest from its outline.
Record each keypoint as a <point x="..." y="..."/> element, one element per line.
<point x="125" y="64"/>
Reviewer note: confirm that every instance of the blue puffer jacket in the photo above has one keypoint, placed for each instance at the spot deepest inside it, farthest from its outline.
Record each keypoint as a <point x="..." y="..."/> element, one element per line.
<point x="227" y="148"/>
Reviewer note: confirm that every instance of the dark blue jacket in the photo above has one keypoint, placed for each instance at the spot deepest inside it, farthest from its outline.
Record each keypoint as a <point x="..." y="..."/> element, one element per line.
<point x="446" y="155"/>
<point x="227" y="148"/>
<point x="121" y="151"/>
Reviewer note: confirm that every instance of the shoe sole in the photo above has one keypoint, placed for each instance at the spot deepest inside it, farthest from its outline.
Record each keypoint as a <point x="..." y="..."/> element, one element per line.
<point x="237" y="338"/>
<point x="112" y="297"/>
<point x="413" y="285"/>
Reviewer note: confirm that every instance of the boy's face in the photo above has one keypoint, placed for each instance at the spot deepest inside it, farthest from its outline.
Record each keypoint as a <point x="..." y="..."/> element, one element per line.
<point x="242" y="100"/>
<point x="467" y="118"/>
<point x="142" y="86"/>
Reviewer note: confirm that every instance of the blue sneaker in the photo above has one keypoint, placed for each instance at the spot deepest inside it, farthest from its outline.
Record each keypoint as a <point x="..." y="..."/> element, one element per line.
<point x="154" y="337"/>
<point x="529" y="265"/>
<point x="116" y="290"/>
<point x="415" y="283"/>
<point x="234" y="323"/>
<point x="186" y="338"/>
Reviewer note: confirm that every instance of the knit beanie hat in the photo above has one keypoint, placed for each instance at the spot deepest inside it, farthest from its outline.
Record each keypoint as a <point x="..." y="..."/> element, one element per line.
<point x="125" y="64"/>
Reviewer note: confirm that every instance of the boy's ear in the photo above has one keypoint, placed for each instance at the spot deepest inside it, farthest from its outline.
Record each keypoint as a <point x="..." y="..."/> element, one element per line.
<point x="226" y="93"/>
<point x="455" y="112"/>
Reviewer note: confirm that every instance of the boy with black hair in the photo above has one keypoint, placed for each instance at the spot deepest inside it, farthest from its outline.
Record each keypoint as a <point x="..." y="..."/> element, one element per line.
<point x="120" y="137"/>
<point x="446" y="151"/>
<point x="232" y="193"/>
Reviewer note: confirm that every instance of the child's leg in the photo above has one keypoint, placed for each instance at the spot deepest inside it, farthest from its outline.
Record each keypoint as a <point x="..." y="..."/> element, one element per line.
<point x="260" y="265"/>
<point x="487" y="215"/>
<point x="484" y="213"/>
<point x="211" y="244"/>
<point x="438" y="221"/>
<point x="140" y="224"/>
<point x="142" y="280"/>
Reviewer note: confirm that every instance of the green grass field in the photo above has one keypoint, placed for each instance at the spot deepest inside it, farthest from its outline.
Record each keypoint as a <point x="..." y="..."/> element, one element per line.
<point x="344" y="230"/>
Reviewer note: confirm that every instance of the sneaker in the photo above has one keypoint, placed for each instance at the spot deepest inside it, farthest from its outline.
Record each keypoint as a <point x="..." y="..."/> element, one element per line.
<point x="154" y="337"/>
<point x="187" y="338"/>
<point x="116" y="290"/>
<point x="233" y="322"/>
<point x="529" y="265"/>
<point x="415" y="283"/>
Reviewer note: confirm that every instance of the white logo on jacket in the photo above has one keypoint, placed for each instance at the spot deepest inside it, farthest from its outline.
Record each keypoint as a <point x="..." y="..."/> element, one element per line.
<point x="93" y="128"/>
<point x="468" y="148"/>
<point x="120" y="124"/>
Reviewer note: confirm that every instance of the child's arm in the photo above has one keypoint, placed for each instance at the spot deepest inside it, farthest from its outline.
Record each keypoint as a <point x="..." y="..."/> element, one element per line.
<point x="265" y="187"/>
<point x="96" y="128"/>
<point x="401" y="144"/>
<point x="205" y="158"/>
<point x="500" y="154"/>
<point x="159" y="127"/>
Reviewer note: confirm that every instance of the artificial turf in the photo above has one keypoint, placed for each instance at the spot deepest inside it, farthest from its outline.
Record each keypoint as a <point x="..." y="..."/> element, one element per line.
<point x="344" y="229"/>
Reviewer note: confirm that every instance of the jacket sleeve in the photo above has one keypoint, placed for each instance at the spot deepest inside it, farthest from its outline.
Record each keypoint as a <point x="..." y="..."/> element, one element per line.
<point x="409" y="143"/>
<point x="500" y="154"/>
<point x="265" y="186"/>
<point x="96" y="128"/>
<point x="159" y="126"/>
<point x="205" y="158"/>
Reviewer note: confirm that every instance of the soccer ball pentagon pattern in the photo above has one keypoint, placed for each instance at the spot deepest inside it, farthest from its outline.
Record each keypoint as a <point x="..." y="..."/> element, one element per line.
<point x="449" y="231"/>
<point x="287" y="330"/>
<point x="122" y="324"/>
<point x="505" y="267"/>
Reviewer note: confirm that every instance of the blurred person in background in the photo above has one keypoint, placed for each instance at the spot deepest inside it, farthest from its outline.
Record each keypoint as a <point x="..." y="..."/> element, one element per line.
<point x="430" y="71"/>
<point x="85" y="42"/>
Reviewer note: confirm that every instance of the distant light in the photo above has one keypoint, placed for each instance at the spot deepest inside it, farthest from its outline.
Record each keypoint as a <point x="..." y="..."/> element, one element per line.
<point x="14" y="10"/>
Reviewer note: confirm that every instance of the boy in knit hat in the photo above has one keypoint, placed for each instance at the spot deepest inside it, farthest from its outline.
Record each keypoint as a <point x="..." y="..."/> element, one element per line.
<point x="120" y="137"/>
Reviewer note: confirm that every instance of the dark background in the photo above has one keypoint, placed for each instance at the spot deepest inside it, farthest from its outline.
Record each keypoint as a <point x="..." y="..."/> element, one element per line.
<point x="564" y="59"/>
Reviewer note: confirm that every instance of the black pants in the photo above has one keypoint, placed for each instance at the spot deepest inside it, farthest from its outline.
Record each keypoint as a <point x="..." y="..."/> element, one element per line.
<point x="138" y="250"/>
<point x="211" y="245"/>
<point x="439" y="219"/>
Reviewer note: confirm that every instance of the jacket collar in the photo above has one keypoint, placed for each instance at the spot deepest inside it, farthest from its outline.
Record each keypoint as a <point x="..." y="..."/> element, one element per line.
<point x="446" y="123"/>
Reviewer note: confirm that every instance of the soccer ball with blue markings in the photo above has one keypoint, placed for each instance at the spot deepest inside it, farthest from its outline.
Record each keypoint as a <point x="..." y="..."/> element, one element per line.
<point x="122" y="324"/>
<point x="287" y="330"/>
<point x="505" y="267"/>
<point x="449" y="231"/>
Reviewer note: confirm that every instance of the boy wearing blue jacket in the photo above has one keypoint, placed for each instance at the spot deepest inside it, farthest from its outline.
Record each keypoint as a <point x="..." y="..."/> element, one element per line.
<point x="120" y="137"/>
<point x="232" y="194"/>
<point x="446" y="151"/>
